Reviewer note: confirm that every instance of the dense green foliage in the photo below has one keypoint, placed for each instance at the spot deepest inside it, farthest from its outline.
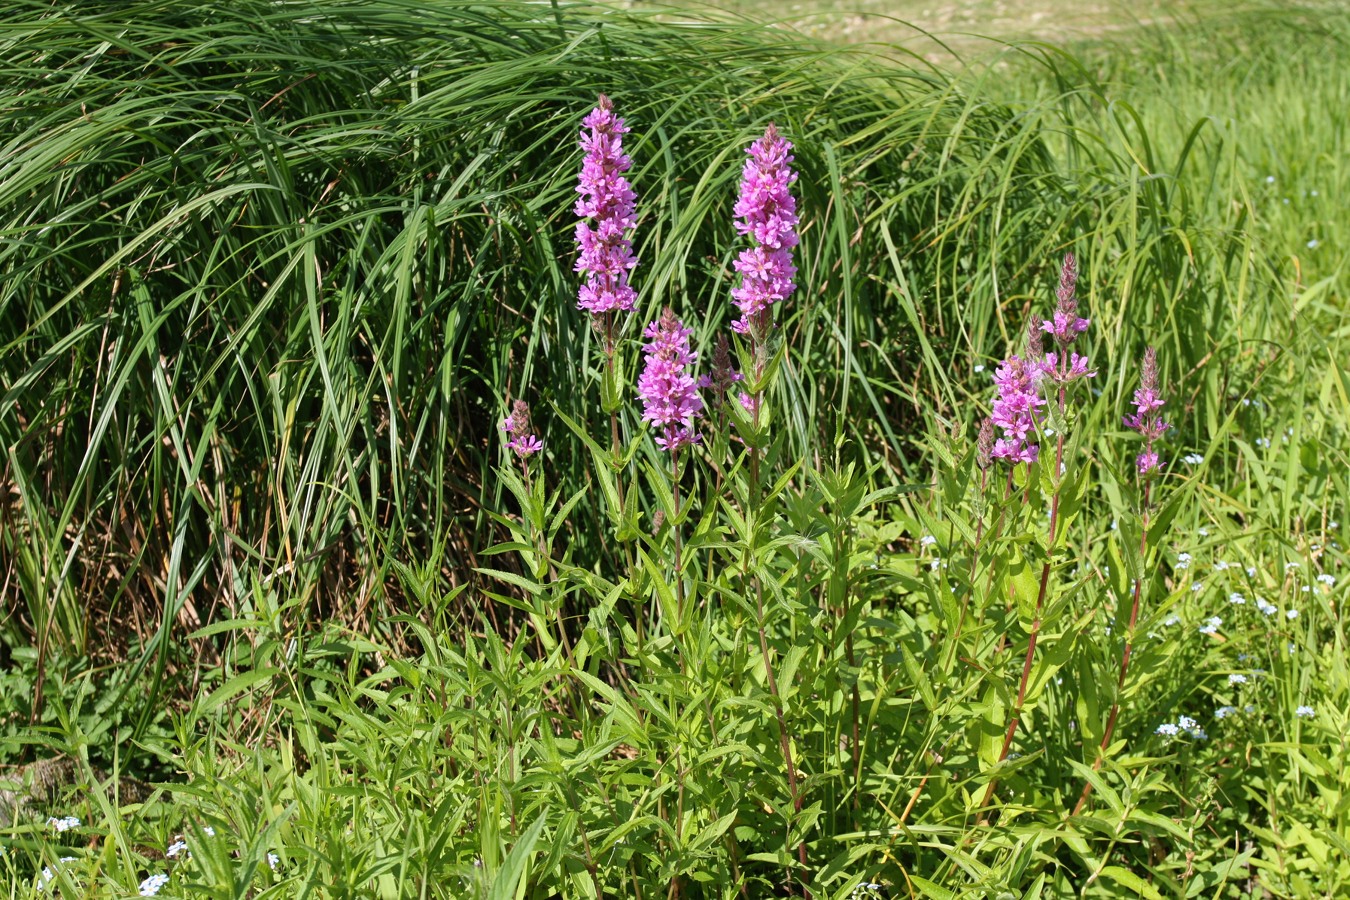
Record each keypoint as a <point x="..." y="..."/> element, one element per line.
<point x="271" y="271"/>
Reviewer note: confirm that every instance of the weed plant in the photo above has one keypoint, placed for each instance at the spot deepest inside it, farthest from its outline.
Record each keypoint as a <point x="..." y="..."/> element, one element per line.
<point x="273" y="274"/>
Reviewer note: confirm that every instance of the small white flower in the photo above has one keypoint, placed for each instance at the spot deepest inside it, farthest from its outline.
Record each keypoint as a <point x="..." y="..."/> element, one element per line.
<point x="1270" y="179"/>
<point x="176" y="848"/>
<point x="1235" y="678"/>
<point x="927" y="540"/>
<point x="1203" y="532"/>
<point x="1224" y="712"/>
<point x="1285" y="201"/>
<point x="1193" y="459"/>
<point x="1173" y="619"/>
<point x="150" y="886"/>
<point x="1251" y="571"/>
<point x="1291" y="614"/>
<point x="1246" y="401"/>
<point x="49" y="873"/>
<point x="979" y="367"/>
<point x="1328" y="580"/>
<point x="1183" y="560"/>
<point x="1289" y="566"/>
<point x="1186" y="722"/>
<point x="1236" y="599"/>
<point x="1167" y="728"/>
<point x="273" y="860"/>
<point x="1305" y="712"/>
<point x="210" y="832"/>
<point x="1313" y="192"/>
<point x="1305" y="589"/>
<point x="1267" y="609"/>
<point x="1197" y="587"/>
<point x="1312" y="245"/>
<point x="1199" y="734"/>
<point x="1220" y="566"/>
<point x="935" y="564"/>
<point x="1263" y="442"/>
<point x="63" y="824"/>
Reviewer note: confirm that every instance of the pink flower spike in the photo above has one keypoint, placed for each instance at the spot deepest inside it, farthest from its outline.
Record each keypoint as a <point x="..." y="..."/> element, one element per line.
<point x="1016" y="410"/>
<point x="524" y="442"/>
<point x="1147" y="401"/>
<point x="668" y="392"/>
<point x="766" y="211"/>
<point x="606" y="249"/>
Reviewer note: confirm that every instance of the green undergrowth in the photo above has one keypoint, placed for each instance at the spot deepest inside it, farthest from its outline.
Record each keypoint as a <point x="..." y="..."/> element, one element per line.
<point x="271" y="272"/>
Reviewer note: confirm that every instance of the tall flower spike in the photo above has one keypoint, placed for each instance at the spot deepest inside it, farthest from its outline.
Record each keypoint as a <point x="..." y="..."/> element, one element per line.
<point x="606" y="248"/>
<point x="668" y="392"/>
<point x="767" y="212"/>
<point x="1146" y="421"/>
<point x="1066" y="324"/>
<point x="984" y="444"/>
<point x="1063" y="365"/>
<point x="523" y="439"/>
<point x="724" y="373"/>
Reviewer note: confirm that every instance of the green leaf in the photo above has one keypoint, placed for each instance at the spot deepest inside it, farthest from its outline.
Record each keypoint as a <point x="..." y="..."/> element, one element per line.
<point x="1132" y="882"/>
<point x="506" y="884"/>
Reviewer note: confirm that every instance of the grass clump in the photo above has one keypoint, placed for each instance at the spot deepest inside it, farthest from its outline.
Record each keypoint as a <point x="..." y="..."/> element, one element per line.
<point x="273" y="273"/>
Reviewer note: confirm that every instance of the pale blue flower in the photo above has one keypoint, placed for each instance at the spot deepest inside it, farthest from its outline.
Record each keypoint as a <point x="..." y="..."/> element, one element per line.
<point x="1305" y="712"/>
<point x="1235" y="678"/>
<point x="150" y="886"/>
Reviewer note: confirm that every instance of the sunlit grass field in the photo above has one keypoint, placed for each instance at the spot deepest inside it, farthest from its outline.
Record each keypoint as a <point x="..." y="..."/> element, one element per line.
<point x="270" y="274"/>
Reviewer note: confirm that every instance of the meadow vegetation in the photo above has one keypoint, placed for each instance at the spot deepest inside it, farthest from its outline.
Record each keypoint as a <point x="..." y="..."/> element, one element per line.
<point x="272" y="275"/>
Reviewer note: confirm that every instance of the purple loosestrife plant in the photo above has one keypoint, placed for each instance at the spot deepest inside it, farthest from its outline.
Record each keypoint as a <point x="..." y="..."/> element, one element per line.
<point x="1018" y="416"/>
<point x="1146" y="420"/>
<point x="766" y="211"/>
<point x="607" y="207"/>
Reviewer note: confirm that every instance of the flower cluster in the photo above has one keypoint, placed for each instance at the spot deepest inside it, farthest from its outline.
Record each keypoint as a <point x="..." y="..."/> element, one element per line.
<point x="523" y="441"/>
<point x="767" y="212"/>
<point x="1017" y="410"/>
<point x="150" y="886"/>
<point x="668" y="392"/>
<point x="1146" y="421"/>
<point x="606" y="251"/>
<point x="1184" y="724"/>
<point x="63" y="824"/>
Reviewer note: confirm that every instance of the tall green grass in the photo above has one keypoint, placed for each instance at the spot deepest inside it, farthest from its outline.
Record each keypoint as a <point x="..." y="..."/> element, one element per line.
<point x="270" y="270"/>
